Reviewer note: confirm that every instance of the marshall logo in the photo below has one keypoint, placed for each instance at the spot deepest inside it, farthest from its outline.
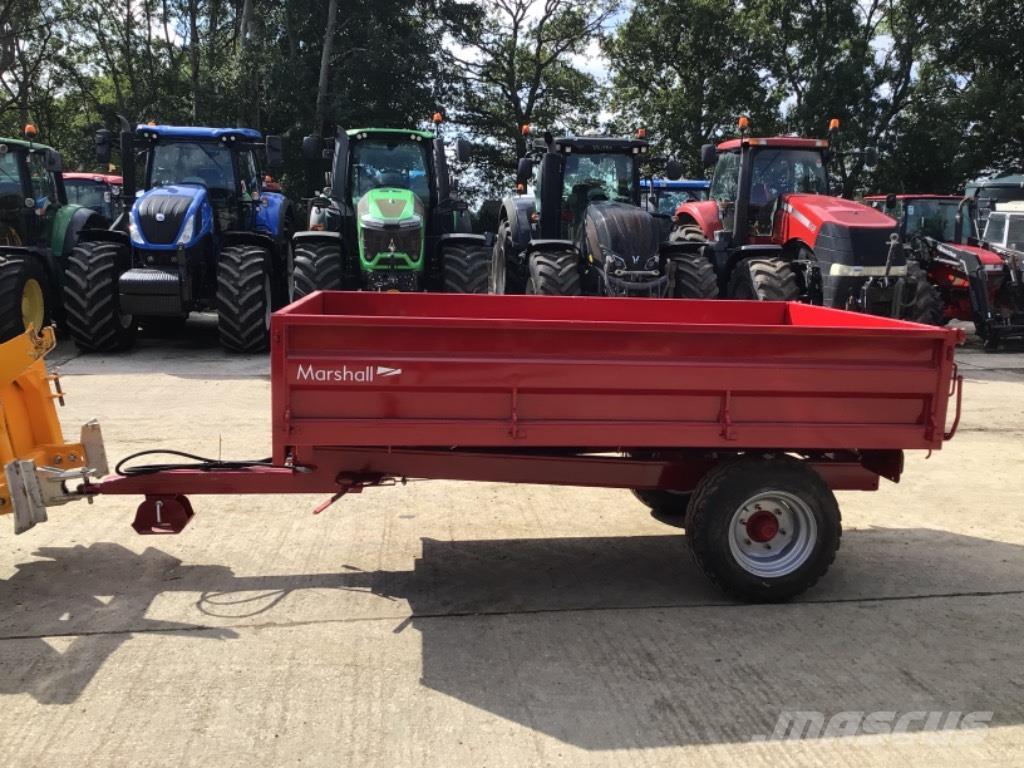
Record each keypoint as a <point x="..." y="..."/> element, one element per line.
<point x="345" y="375"/>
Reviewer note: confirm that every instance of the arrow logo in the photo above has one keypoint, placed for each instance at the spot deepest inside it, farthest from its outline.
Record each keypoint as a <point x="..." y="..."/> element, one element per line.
<point x="382" y="371"/>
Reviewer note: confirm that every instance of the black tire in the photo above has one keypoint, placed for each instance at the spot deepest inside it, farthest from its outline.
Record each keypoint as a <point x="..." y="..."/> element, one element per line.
<point x="738" y="488"/>
<point x="764" y="280"/>
<point x="687" y="233"/>
<point x="665" y="503"/>
<point x="924" y="303"/>
<point x="91" y="308"/>
<point x="244" y="298"/>
<point x="694" y="278"/>
<point x="17" y="273"/>
<point x="554" y="273"/>
<point x="466" y="268"/>
<point x="315" y="268"/>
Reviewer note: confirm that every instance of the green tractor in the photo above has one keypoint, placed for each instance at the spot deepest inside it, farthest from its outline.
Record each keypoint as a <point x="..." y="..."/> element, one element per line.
<point x="38" y="229"/>
<point x="387" y="219"/>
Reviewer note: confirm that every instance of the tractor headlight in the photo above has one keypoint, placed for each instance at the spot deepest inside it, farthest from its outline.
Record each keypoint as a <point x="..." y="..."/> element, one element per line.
<point x="134" y="234"/>
<point x="187" y="231"/>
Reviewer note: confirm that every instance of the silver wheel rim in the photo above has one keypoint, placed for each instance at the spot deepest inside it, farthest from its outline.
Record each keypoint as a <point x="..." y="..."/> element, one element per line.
<point x="772" y="534"/>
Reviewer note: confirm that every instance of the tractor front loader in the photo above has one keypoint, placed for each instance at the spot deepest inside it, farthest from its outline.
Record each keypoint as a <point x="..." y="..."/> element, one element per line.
<point x="388" y="219"/>
<point x="39" y="466"/>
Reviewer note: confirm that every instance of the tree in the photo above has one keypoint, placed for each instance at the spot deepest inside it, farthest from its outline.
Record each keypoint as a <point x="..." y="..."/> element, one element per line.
<point x="687" y="69"/>
<point x="516" y="65"/>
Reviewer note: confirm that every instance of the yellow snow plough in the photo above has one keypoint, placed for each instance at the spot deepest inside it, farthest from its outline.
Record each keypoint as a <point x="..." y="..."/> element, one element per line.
<point x="38" y="464"/>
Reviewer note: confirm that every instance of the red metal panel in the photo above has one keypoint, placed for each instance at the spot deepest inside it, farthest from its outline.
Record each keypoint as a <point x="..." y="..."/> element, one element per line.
<point x="367" y="369"/>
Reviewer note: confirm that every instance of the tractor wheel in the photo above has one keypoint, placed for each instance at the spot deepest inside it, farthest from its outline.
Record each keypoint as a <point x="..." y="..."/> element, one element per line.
<point x="244" y="298"/>
<point x="500" y="279"/>
<point x="925" y="305"/>
<point x="764" y="280"/>
<point x="554" y="273"/>
<point x="763" y="529"/>
<point x="466" y="268"/>
<point x="666" y="503"/>
<point x="315" y="268"/>
<point x="91" y="303"/>
<point x="687" y="233"/>
<point x="24" y="295"/>
<point x="694" y="278"/>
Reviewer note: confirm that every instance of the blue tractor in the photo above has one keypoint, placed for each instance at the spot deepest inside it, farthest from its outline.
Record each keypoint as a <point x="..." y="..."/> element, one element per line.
<point x="200" y="234"/>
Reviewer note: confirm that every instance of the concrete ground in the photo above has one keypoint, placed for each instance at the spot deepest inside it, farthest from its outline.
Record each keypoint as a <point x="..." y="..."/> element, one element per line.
<point x="489" y="625"/>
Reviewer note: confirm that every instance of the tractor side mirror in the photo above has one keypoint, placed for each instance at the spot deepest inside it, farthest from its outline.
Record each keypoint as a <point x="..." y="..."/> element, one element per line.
<point x="673" y="169"/>
<point x="708" y="155"/>
<point x="275" y="151"/>
<point x="871" y="157"/>
<point x="462" y="150"/>
<point x="524" y="172"/>
<point x="53" y="162"/>
<point x="104" y="146"/>
<point x="312" y="148"/>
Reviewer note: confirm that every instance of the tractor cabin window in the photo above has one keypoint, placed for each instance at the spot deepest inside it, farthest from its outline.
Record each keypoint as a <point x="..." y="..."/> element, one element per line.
<point x="995" y="231"/>
<point x="207" y="164"/>
<point x="43" y="189"/>
<point x="11" y="193"/>
<point x="383" y="164"/>
<point x="931" y="218"/>
<point x="589" y="178"/>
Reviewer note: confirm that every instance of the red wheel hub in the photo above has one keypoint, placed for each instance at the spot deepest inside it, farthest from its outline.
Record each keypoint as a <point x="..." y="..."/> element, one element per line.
<point x="762" y="526"/>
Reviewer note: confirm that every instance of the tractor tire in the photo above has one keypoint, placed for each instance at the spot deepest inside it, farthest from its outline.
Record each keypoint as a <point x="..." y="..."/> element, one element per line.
<point x="764" y="280"/>
<point x="925" y="305"/>
<point x="694" y="278"/>
<point x="687" y="233"/>
<point x="244" y="298"/>
<point x="315" y="268"/>
<point x="91" y="303"/>
<point x="763" y="529"/>
<point x="501" y="279"/>
<point x="466" y="268"/>
<point x="554" y="273"/>
<point x="25" y="297"/>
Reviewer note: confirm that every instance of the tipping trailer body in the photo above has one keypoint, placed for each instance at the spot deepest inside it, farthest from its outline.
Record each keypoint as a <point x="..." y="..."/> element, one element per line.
<point x="745" y="416"/>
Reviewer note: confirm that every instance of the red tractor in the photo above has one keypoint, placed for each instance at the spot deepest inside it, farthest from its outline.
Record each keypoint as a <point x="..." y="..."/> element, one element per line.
<point x="99" y="191"/>
<point x="980" y="279"/>
<point x="771" y="231"/>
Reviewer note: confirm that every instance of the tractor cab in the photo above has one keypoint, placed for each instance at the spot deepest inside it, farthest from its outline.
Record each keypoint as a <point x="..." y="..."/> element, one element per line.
<point x="1004" y="230"/>
<point x="920" y="216"/>
<point x="100" y="192"/>
<point x="31" y="192"/>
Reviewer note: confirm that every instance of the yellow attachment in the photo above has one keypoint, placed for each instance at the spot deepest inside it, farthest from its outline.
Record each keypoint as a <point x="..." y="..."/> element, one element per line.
<point x="29" y="427"/>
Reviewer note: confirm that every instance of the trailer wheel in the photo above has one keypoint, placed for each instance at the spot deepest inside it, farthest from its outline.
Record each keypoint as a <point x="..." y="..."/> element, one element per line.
<point x="925" y="305"/>
<point x="466" y="268"/>
<point x="763" y="529"/>
<point x="554" y="273"/>
<point x="694" y="278"/>
<point x="315" y="268"/>
<point x="24" y="295"/>
<point x="764" y="280"/>
<point x="244" y="298"/>
<point x="91" y="303"/>
<point x="669" y="503"/>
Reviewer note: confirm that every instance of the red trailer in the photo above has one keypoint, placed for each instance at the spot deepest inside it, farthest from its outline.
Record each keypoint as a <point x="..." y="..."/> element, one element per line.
<point x="751" y="413"/>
